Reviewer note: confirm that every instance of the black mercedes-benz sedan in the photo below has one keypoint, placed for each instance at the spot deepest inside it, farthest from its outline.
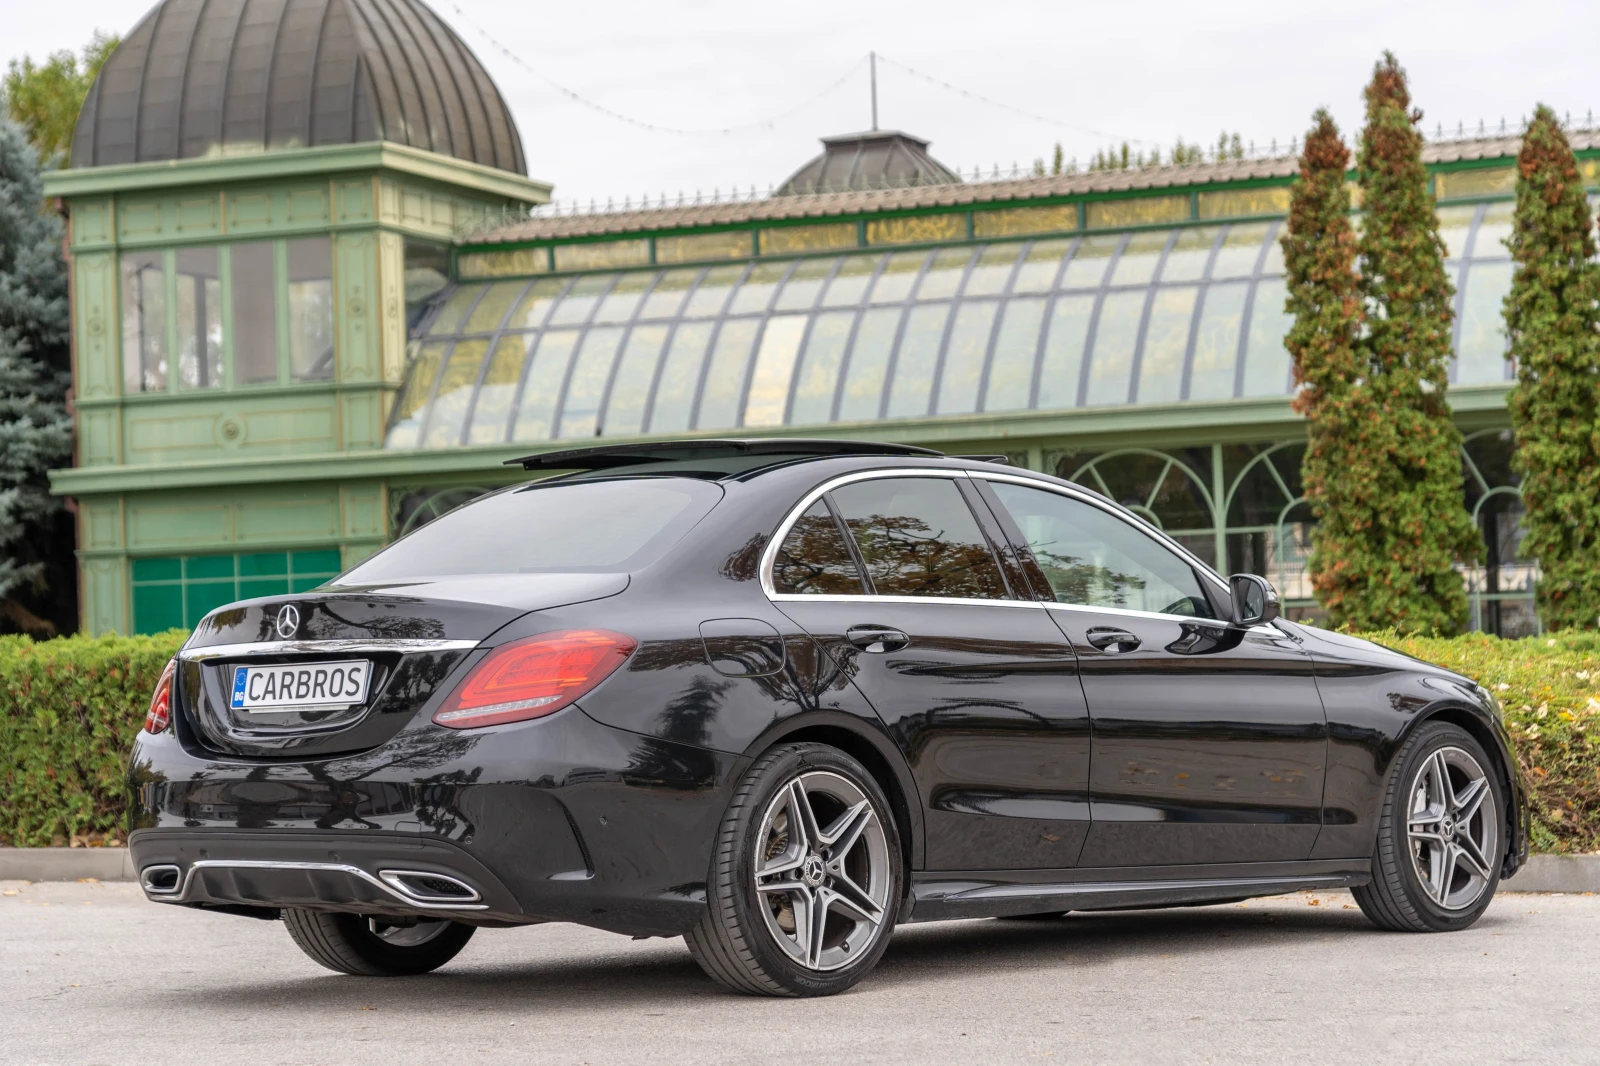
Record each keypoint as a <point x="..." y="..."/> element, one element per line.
<point x="778" y="696"/>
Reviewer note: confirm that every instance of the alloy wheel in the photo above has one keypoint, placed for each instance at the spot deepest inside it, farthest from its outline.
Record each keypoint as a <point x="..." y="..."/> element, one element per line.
<point x="822" y="871"/>
<point x="1451" y="828"/>
<point x="407" y="935"/>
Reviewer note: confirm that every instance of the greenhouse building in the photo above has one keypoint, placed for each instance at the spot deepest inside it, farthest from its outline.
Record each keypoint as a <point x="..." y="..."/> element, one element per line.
<point x="316" y="304"/>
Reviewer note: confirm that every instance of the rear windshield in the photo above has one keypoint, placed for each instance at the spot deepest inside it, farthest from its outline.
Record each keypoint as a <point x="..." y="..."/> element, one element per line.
<point x="594" y="526"/>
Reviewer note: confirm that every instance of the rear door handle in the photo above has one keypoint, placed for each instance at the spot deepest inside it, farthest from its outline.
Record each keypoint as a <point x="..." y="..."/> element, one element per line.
<point x="1112" y="641"/>
<point x="877" y="639"/>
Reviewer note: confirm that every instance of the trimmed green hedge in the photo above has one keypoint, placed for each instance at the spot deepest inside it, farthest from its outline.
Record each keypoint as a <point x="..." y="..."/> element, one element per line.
<point x="1550" y="687"/>
<point x="69" y="710"/>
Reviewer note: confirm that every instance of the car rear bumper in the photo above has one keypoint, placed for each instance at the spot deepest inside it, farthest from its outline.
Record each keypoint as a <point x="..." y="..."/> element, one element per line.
<point x="559" y="819"/>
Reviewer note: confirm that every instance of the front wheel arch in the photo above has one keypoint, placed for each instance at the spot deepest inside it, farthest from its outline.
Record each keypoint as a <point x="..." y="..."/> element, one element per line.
<point x="1476" y="725"/>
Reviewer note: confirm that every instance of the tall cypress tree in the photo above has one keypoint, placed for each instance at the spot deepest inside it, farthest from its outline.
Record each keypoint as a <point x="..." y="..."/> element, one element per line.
<point x="1421" y="528"/>
<point x="1347" y="440"/>
<point x="1553" y="324"/>
<point x="37" y="571"/>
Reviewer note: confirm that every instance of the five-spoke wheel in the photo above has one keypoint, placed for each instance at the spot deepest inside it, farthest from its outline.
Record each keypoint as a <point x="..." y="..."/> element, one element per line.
<point x="1438" y="854"/>
<point x="806" y="877"/>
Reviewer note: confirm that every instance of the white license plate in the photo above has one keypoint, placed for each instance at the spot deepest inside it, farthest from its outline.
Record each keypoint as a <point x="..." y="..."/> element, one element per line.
<point x="337" y="684"/>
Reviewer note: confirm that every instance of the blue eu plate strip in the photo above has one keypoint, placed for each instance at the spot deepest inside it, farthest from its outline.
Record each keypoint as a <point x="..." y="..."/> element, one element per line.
<point x="241" y="675"/>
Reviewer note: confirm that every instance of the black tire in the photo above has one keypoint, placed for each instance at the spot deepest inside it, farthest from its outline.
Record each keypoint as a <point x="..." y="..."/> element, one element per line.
<point x="734" y="942"/>
<point x="346" y="943"/>
<point x="1396" y="899"/>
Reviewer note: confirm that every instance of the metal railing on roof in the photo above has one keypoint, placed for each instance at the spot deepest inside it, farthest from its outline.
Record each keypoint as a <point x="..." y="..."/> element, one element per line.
<point x="1251" y="152"/>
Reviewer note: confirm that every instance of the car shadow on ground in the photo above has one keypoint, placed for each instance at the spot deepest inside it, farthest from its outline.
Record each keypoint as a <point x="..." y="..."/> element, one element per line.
<point x="661" y="971"/>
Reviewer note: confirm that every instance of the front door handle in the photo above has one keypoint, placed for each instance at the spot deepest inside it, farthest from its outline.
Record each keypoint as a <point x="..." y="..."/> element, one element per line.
<point x="877" y="639"/>
<point x="1112" y="641"/>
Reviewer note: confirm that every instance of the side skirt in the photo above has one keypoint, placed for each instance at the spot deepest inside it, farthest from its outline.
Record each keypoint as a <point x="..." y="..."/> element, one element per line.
<point x="942" y="895"/>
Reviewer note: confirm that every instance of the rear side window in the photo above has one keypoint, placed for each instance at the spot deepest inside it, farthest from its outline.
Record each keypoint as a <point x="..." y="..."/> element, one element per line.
<point x="1095" y="559"/>
<point x="917" y="537"/>
<point x="586" y="527"/>
<point x="814" y="560"/>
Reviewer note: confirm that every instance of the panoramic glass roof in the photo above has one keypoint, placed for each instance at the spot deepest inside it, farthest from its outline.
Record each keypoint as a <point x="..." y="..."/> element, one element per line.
<point x="1192" y="313"/>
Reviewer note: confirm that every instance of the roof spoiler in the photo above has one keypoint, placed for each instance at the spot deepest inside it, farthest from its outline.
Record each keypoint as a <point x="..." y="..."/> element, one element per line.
<point x="606" y="456"/>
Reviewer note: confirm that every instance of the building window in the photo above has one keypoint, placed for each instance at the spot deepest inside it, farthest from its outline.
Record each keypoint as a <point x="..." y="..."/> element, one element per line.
<point x="310" y="309"/>
<point x="176" y="592"/>
<point x="144" y="322"/>
<point x="427" y="272"/>
<point x="199" y="312"/>
<point x="255" y="313"/>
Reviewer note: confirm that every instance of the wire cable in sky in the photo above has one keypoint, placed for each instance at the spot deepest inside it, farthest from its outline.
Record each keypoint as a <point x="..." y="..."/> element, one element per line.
<point x="1007" y="107"/>
<point x="766" y="123"/>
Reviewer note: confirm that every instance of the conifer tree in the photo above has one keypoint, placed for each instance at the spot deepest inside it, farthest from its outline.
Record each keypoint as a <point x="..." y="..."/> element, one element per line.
<point x="1346" y="439"/>
<point x="1423" y="529"/>
<point x="1371" y="347"/>
<point x="1553" y="324"/>
<point x="35" y="431"/>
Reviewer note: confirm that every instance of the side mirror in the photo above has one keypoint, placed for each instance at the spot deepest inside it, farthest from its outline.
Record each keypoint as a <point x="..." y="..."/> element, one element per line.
<point x="1255" y="601"/>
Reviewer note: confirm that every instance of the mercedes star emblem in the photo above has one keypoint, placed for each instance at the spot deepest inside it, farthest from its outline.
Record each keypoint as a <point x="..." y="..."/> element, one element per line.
<point x="288" y="621"/>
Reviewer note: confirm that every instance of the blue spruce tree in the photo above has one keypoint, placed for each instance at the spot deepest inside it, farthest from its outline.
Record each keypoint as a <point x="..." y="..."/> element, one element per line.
<point x="37" y="573"/>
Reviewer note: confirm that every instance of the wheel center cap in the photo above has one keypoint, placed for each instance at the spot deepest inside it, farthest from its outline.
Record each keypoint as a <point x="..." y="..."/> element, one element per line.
<point x="811" y="871"/>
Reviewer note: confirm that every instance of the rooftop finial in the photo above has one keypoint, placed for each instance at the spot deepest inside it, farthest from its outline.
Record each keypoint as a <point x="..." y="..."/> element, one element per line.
<point x="873" y="57"/>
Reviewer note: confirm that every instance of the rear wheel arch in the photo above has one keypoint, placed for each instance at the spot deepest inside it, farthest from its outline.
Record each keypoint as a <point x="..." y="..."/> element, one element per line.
<point x="873" y="751"/>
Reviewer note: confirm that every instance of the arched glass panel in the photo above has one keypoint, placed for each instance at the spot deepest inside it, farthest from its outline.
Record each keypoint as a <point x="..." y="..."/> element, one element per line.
<point x="1158" y="316"/>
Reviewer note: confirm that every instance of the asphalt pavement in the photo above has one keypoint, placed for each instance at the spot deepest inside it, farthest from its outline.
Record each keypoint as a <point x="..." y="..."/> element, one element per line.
<point x="92" y="973"/>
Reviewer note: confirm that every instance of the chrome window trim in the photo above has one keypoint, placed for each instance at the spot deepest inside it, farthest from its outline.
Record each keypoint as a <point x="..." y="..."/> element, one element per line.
<point x="800" y="597"/>
<point x="328" y="867"/>
<point x="1095" y="500"/>
<point x="322" y="647"/>
<point x="1220" y="623"/>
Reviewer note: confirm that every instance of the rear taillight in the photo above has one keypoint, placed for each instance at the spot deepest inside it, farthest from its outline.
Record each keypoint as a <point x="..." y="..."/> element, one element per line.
<point x="534" y="677"/>
<point x="159" y="716"/>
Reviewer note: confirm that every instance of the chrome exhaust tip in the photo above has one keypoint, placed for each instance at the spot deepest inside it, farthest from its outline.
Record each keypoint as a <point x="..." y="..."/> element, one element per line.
<point x="426" y="886"/>
<point x="161" y="880"/>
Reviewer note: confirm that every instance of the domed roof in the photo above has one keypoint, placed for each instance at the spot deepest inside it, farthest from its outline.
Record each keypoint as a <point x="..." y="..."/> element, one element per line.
<point x="877" y="159"/>
<point x="223" y="77"/>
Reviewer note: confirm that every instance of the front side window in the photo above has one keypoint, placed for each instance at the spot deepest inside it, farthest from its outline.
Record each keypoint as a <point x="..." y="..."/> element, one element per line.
<point x="918" y="537"/>
<point x="1092" y="558"/>
<point x="814" y="560"/>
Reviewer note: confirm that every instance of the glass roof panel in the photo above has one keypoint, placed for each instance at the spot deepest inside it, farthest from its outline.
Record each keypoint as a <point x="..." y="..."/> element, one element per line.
<point x="1455" y="226"/>
<point x="899" y="276"/>
<point x="755" y="294"/>
<point x="868" y="364"/>
<point x="636" y="372"/>
<point x="1493" y="231"/>
<point x="625" y="297"/>
<point x="964" y="357"/>
<point x="1240" y="251"/>
<point x="1040" y="266"/>
<point x="1191" y="313"/>
<point x="711" y="295"/>
<point x="818" y="376"/>
<point x="666" y="299"/>
<point x="1190" y="253"/>
<point x="942" y="279"/>
<point x="1087" y="268"/>
<point x="580" y="301"/>
<point x="849" y="285"/>
<point x="534" y="307"/>
<point x="1015" y="345"/>
<point x="992" y="271"/>
<point x="1216" y="342"/>
<point x="1137" y="263"/>
<point x="541" y="386"/>
<point x="491" y="310"/>
<point x="916" y="359"/>
<point x="800" y="292"/>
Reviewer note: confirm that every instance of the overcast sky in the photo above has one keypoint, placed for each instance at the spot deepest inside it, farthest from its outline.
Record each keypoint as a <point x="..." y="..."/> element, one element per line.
<point x="1092" y="73"/>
